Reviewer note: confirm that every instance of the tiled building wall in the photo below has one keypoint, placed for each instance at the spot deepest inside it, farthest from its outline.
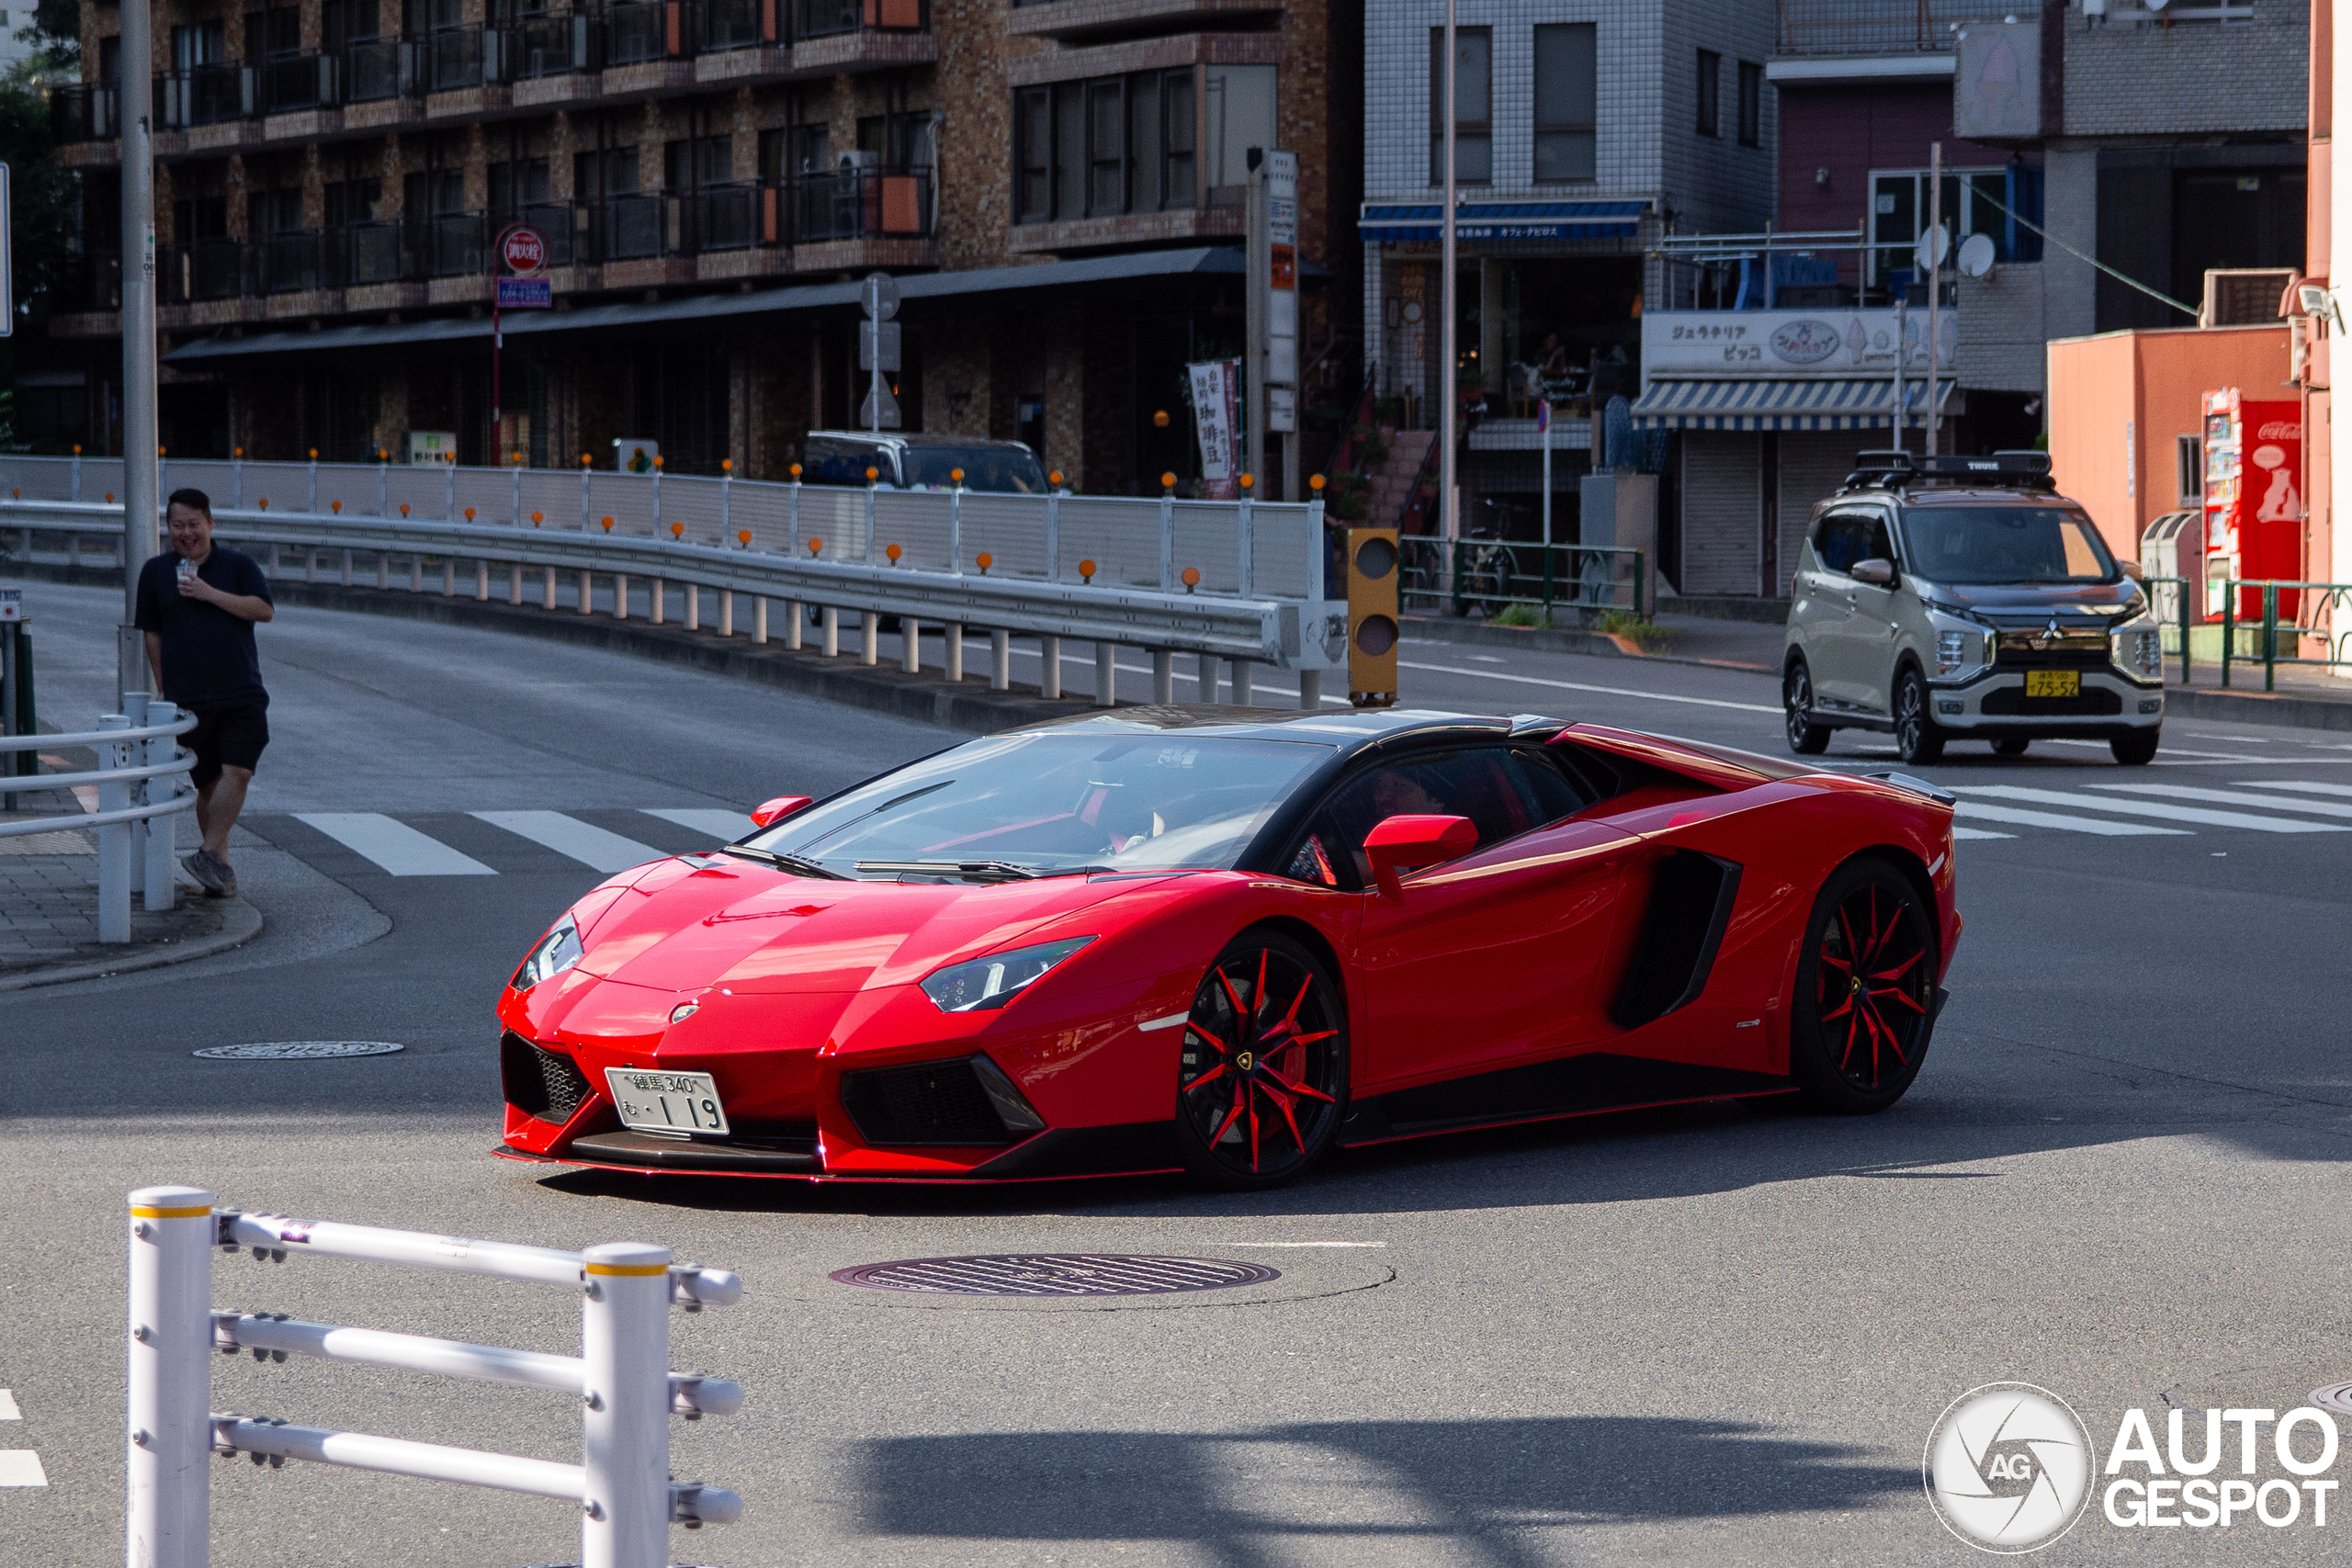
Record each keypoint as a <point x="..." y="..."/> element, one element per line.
<point x="2147" y="79"/>
<point x="1714" y="183"/>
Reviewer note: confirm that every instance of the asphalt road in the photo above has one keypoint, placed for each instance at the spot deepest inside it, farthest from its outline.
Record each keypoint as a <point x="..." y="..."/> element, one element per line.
<point x="1706" y="1332"/>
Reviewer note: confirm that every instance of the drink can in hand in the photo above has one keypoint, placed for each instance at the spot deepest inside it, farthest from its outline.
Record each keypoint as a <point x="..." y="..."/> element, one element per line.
<point x="186" y="568"/>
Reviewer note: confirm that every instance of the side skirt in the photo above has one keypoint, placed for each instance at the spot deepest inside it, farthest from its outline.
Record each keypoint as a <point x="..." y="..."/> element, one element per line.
<point x="1573" y="1086"/>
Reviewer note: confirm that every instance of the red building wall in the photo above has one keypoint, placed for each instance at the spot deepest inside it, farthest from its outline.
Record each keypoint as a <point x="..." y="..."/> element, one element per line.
<point x="1849" y="131"/>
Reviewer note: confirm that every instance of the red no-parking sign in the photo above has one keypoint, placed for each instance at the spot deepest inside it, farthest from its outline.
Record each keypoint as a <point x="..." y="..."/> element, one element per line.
<point x="525" y="253"/>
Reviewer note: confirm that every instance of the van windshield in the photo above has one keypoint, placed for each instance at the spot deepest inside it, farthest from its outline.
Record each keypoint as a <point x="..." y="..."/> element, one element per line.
<point x="2005" y="544"/>
<point x="1004" y="470"/>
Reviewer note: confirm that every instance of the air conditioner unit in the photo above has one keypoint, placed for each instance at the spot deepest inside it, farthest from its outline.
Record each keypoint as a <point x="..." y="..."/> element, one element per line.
<point x="850" y="163"/>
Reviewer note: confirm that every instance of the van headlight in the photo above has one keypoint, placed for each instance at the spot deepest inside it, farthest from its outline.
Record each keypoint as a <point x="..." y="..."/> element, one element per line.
<point x="2140" y="651"/>
<point x="557" y="952"/>
<point x="988" y="983"/>
<point x="1956" y="651"/>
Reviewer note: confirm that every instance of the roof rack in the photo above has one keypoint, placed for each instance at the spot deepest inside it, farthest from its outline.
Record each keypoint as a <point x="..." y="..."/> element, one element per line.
<point x="1902" y="470"/>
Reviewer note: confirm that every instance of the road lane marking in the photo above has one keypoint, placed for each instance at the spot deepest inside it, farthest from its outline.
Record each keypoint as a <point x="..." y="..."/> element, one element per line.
<point x="2233" y="797"/>
<point x="395" y="847"/>
<point x="2149" y="808"/>
<point x="1580" y="686"/>
<point x="2299" y="785"/>
<point x="2067" y="824"/>
<point x="584" y="841"/>
<point x="21" y="1467"/>
<point x="725" y="826"/>
<point x="1979" y="833"/>
<point x="8" y="1411"/>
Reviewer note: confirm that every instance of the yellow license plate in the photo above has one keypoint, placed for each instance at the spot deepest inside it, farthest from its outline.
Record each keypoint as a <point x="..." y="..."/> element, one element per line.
<point x="2053" y="683"/>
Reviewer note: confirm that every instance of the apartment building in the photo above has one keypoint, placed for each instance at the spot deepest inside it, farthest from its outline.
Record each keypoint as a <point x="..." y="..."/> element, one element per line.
<point x="1058" y="185"/>
<point x="1584" y="131"/>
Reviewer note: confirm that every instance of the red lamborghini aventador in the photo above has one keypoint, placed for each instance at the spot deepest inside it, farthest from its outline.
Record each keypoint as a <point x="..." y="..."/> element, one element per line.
<point x="1224" y="940"/>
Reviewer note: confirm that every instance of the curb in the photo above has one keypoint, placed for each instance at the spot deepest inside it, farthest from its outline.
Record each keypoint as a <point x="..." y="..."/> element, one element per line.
<point x="240" y="923"/>
<point x="2261" y="708"/>
<point x="1598" y="644"/>
<point x="1725" y="607"/>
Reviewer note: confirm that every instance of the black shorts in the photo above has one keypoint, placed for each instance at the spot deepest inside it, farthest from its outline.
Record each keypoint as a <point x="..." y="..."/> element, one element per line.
<point x="227" y="735"/>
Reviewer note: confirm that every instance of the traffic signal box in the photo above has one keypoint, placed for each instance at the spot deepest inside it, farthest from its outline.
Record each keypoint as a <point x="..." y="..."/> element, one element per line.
<point x="1371" y="617"/>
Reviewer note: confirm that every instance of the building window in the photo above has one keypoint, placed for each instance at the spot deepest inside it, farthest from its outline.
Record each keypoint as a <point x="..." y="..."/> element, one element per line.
<point x="513" y="187"/>
<point x="1711" y="93"/>
<point x="706" y="161"/>
<point x="1566" y="92"/>
<point x="2190" y="461"/>
<point x="1751" y="105"/>
<point x="1474" y="93"/>
<point x="1972" y="200"/>
<point x="1121" y="144"/>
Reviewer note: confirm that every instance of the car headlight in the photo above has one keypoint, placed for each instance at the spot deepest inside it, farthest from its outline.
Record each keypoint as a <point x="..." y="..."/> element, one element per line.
<point x="991" y="982"/>
<point x="2141" y="650"/>
<point x="557" y="952"/>
<point x="1959" y="650"/>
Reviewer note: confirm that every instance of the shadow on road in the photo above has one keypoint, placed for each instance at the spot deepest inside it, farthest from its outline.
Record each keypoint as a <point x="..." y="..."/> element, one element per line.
<point x="1422" y="1489"/>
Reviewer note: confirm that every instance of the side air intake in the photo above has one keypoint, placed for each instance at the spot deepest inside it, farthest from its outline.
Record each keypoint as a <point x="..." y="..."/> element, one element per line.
<point x="1691" y="900"/>
<point x="544" y="1084"/>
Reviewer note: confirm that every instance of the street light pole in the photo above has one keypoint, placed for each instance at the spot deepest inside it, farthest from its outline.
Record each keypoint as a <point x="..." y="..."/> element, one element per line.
<point x="139" y="479"/>
<point x="1451" y="527"/>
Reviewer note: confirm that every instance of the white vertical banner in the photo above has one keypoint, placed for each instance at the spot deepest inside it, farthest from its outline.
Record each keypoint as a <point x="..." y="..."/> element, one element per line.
<point x="1282" y="272"/>
<point x="7" y="255"/>
<point x="1212" y="417"/>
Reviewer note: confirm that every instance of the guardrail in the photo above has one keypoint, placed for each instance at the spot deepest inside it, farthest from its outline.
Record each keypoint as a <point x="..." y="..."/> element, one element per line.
<point x="140" y="771"/>
<point x="2311" y="598"/>
<point x="627" y="1393"/>
<point x="1490" y="574"/>
<point x="2169" y="600"/>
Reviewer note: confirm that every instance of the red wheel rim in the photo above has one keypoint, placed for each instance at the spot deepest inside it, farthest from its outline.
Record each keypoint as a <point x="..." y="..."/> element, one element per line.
<point x="1872" y="985"/>
<point x="1259" y="1079"/>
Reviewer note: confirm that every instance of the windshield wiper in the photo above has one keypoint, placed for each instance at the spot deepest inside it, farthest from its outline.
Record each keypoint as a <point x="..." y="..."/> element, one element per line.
<point x="793" y="863"/>
<point x="970" y="870"/>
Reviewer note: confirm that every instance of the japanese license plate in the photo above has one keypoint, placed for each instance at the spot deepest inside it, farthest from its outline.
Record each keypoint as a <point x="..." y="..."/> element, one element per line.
<point x="680" y="1104"/>
<point x="2053" y="683"/>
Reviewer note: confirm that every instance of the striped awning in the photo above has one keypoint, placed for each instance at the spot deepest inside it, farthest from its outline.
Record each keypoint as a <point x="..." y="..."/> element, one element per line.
<point x="1807" y="403"/>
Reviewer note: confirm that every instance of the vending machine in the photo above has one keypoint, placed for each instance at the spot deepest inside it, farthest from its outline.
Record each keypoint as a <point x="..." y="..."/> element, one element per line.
<point x="2254" y="500"/>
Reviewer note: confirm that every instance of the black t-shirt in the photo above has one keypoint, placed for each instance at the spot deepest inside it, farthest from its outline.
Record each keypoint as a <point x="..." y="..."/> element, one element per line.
<point x="209" y="654"/>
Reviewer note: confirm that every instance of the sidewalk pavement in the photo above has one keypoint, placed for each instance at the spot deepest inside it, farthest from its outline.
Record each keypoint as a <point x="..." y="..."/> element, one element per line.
<point x="49" y="915"/>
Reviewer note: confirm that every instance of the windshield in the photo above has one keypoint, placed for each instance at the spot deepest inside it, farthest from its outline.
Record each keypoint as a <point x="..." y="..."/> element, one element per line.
<point x="1006" y="469"/>
<point x="1057" y="802"/>
<point x="2005" y="544"/>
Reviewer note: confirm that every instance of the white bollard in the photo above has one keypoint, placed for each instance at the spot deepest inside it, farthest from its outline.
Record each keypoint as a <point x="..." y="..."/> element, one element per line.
<point x="311" y="564"/>
<point x="726" y="612"/>
<point x="909" y="645"/>
<point x="384" y="569"/>
<point x="549" y="598"/>
<point x="795" y="624"/>
<point x="1310" y="690"/>
<point x="1000" y="661"/>
<point x="1208" y="679"/>
<point x="171" y="1377"/>
<point x="113" y="839"/>
<point x="481" y="582"/>
<point x="1163" y="675"/>
<point x="694" y="606"/>
<point x="347" y="569"/>
<point x="415" y="573"/>
<point x="1049" y="679"/>
<point x="954" y="634"/>
<point x="659" y="595"/>
<point x="1241" y="683"/>
<point x="515" y="582"/>
<point x="760" y="620"/>
<point x="162" y="893"/>
<point x="833" y="632"/>
<point x="625" y="1345"/>
<point x="587" y="592"/>
<point x="620" y="598"/>
<point x="869" y="649"/>
<point x="1106" y="674"/>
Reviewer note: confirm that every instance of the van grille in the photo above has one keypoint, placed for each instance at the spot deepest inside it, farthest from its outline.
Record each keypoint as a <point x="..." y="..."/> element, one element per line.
<point x="2010" y="702"/>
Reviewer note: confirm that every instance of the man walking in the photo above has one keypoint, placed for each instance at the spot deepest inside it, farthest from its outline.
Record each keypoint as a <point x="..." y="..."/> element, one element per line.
<point x="198" y="604"/>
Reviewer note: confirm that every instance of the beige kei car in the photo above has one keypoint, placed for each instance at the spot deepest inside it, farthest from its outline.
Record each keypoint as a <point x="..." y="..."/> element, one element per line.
<point x="1942" y="599"/>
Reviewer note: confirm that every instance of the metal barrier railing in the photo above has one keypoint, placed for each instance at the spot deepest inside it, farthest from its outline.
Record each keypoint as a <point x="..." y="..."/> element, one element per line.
<point x="2169" y="601"/>
<point x="139" y="777"/>
<point x="627" y="1500"/>
<point x="2313" y="600"/>
<point x="1489" y="575"/>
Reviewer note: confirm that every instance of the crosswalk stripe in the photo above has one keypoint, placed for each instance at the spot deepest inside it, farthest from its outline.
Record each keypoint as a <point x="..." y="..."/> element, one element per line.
<point x="396" y="847"/>
<point x="1979" y="833"/>
<point x="21" y="1467"/>
<point x="725" y="826"/>
<point x="2297" y="784"/>
<point x="2149" y="808"/>
<point x="2235" y="798"/>
<point x="584" y="841"/>
<point x="2051" y="819"/>
<point x="8" y="1411"/>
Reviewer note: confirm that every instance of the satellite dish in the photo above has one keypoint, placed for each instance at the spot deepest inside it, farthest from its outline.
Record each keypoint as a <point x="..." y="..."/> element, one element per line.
<point x="2155" y="5"/>
<point x="1976" y="256"/>
<point x="1941" y="238"/>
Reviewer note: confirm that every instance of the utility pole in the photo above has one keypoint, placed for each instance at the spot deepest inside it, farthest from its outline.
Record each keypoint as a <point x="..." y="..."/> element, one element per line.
<point x="140" y="477"/>
<point x="1447" y="397"/>
<point x="1935" y="286"/>
<point x="1271" y="314"/>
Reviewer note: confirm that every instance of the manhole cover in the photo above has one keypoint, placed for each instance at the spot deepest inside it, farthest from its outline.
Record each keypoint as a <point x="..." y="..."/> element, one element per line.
<point x="1055" y="1274"/>
<point x="2335" y="1396"/>
<point x="298" y="1050"/>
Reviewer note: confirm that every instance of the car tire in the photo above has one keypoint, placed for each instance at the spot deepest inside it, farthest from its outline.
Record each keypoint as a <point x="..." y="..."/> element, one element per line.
<point x="1865" y="992"/>
<point x="1806" y="739"/>
<point x="1917" y="737"/>
<point x="2011" y="746"/>
<point x="1262" y="1082"/>
<point x="2135" y="751"/>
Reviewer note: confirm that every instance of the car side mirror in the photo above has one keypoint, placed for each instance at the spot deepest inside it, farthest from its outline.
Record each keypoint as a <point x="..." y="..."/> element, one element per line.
<point x="768" y="813"/>
<point x="1401" y="843"/>
<point x="1876" y="573"/>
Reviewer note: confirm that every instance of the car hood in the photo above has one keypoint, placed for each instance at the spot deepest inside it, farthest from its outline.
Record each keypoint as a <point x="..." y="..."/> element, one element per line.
<point x="691" y="924"/>
<point x="2002" y="600"/>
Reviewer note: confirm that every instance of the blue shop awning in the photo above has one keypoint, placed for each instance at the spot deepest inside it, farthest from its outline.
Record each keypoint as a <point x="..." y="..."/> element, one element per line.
<point x="1796" y="403"/>
<point x="1393" y="222"/>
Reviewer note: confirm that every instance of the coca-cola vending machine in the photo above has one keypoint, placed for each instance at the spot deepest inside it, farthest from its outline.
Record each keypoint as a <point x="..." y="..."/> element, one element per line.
<point x="2254" y="500"/>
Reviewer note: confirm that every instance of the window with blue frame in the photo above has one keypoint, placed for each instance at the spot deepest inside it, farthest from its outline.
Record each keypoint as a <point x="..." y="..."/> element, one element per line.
<point x="1975" y="202"/>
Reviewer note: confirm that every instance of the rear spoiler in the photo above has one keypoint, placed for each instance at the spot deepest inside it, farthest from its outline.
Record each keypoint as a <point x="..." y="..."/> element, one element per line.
<point x="1721" y="766"/>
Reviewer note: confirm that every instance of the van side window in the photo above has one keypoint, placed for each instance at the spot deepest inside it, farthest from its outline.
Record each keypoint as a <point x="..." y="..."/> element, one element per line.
<point x="1841" y="538"/>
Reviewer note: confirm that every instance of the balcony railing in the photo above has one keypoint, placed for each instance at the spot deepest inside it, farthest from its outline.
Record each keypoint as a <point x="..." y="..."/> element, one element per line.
<point x="85" y="113"/>
<point x="205" y="95"/>
<point x="379" y="68"/>
<point x="828" y="18"/>
<point x="863" y="204"/>
<point x="1875" y="27"/>
<point x="740" y="24"/>
<point x="641" y="30"/>
<point x="301" y="81"/>
<point x="555" y="43"/>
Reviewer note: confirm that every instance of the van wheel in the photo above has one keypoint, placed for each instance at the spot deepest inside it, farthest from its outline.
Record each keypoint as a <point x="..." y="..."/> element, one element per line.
<point x="2135" y="751"/>
<point x="1806" y="739"/>
<point x="1916" y="737"/>
<point x="2013" y="746"/>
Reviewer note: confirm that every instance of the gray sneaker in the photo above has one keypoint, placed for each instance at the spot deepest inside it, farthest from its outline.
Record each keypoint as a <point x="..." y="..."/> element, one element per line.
<point x="212" y="873"/>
